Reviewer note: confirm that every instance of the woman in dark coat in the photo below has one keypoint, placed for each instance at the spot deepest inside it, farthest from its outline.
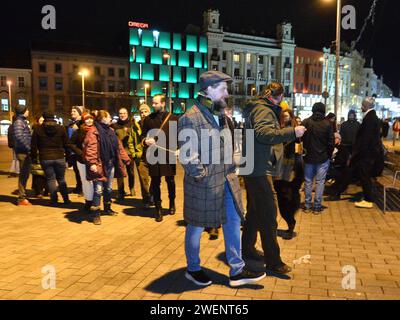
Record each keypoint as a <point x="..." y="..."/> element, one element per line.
<point x="105" y="158"/>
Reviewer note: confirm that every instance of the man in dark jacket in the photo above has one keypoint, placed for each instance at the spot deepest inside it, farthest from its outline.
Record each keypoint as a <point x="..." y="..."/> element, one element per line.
<point x="51" y="141"/>
<point x="122" y="129"/>
<point x="160" y="120"/>
<point x="367" y="155"/>
<point x="348" y="131"/>
<point x="318" y="143"/>
<point x="263" y="115"/>
<point x="22" y="146"/>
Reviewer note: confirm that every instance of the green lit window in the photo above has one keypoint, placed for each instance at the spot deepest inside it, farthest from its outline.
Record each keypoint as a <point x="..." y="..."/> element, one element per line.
<point x="177" y="74"/>
<point x="196" y="91"/>
<point x="177" y="45"/>
<point x="135" y="71"/>
<point x="191" y="75"/>
<point x="156" y="56"/>
<point x="191" y="43"/>
<point x="164" y="73"/>
<point x="203" y="45"/>
<point x="173" y="58"/>
<point x="184" y="91"/>
<point x="183" y="59"/>
<point x="140" y="53"/>
<point x="156" y="88"/>
<point x="147" y="38"/>
<point x="134" y="38"/>
<point x="148" y="72"/>
<point x="198" y="60"/>
<point x="165" y="40"/>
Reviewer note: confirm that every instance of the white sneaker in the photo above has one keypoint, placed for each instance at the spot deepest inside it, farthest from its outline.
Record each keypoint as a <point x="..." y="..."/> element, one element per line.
<point x="364" y="204"/>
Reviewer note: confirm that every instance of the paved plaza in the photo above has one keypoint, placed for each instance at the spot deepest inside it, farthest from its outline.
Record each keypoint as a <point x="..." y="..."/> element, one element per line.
<point x="132" y="257"/>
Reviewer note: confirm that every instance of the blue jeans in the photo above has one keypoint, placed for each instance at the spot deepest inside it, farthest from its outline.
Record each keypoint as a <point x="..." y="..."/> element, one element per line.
<point x="317" y="171"/>
<point x="103" y="188"/>
<point x="55" y="173"/>
<point x="233" y="246"/>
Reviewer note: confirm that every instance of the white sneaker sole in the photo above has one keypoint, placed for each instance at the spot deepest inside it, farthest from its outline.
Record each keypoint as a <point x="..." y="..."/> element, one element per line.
<point x="364" y="207"/>
<point x="242" y="282"/>
<point x="200" y="284"/>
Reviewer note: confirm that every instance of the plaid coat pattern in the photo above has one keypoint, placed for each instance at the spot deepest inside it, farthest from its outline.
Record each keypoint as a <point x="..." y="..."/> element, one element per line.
<point x="204" y="184"/>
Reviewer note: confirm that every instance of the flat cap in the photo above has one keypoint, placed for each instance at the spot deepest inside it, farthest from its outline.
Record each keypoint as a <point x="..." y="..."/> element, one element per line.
<point x="211" y="78"/>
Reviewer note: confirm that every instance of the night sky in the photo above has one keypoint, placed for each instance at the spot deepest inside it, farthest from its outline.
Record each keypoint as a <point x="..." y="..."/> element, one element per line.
<point x="103" y="24"/>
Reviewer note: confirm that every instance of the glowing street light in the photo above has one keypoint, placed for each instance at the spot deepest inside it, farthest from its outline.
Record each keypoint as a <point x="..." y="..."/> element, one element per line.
<point x="83" y="73"/>
<point x="9" y="83"/>
<point x="168" y="57"/>
<point x="146" y="88"/>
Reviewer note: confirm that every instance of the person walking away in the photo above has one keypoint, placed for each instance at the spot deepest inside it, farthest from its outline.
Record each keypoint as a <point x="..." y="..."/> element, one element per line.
<point x="39" y="183"/>
<point x="50" y="144"/>
<point x="319" y="143"/>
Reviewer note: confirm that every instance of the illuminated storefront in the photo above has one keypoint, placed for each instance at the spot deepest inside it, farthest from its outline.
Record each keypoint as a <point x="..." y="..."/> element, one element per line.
<point x="158" y="58"/>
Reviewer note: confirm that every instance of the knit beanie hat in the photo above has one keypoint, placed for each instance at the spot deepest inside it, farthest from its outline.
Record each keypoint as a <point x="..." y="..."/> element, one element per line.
<point x="144" y="107"/>
<point x="79" y="109"/>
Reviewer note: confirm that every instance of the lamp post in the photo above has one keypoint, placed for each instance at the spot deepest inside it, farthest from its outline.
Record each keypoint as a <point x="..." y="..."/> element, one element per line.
<point x="337" y="79"/>
<point x="146" y="88"/>
<point x="168" y="57"/>
<point x="9" y="83"/>
<point x="326" y="61"/>
<point x="83" y="73"/>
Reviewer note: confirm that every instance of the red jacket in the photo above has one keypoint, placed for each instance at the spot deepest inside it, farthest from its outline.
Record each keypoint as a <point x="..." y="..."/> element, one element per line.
<point x="91" y="155"/>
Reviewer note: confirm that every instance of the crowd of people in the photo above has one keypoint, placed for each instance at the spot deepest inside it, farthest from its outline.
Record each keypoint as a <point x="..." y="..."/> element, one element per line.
<point x="288" y="153"/>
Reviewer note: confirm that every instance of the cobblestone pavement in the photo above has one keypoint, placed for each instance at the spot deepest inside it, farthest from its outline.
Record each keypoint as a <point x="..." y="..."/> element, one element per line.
<point x="133" y="257"/>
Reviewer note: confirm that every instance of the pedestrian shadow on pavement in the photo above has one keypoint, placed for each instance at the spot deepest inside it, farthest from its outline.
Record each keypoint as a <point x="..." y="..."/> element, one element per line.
<point x="136" y="209"/>
<point x="256" y="266"/>
<point x="175" y="282"/>
<point x="78" y="217"/>
<point x="9" y="199"/>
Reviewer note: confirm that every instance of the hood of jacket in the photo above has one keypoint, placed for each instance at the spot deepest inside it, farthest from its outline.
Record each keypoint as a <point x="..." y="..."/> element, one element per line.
<point x="50" y="128"/>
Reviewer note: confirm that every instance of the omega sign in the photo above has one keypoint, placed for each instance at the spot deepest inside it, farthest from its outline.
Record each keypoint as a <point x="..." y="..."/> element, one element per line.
<point x="140" y="25"/>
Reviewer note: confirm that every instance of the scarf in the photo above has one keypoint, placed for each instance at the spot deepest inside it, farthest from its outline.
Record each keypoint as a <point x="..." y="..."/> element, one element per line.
<point x="109" y="148"/>
<point x="123" y="123"/>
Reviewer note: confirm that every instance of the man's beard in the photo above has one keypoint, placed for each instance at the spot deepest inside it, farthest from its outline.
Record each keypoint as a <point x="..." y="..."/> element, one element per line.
<point x="218" y="106"/>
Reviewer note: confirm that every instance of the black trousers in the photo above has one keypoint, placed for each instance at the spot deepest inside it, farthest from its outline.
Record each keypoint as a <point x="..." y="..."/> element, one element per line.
<point x="155" y="188"/>
<point x="261" y="216"/>
<point x="363" y="171"/>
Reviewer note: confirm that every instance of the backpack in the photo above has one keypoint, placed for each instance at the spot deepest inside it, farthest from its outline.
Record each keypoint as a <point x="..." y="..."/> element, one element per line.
<point x="10" y="136"/>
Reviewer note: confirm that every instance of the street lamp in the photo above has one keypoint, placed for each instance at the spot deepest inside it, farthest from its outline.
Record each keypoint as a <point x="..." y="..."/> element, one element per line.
<point x="83" y="73"/>
<point x="253" y="90"/>
<point x="168" y="57"/>
<point x="146" y="87"/>
<point x="9" y="83"/>
<point x="338" y="35"/>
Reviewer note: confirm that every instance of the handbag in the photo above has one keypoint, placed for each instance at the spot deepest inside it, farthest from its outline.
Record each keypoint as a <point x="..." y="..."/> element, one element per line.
<point x="36" y="170"/>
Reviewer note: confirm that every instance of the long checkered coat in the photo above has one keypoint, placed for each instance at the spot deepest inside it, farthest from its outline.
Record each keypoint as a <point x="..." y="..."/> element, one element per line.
<point x="204" y="185"/>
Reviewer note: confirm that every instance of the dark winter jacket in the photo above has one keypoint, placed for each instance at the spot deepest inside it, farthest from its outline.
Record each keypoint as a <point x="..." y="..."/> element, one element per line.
<point x="76" y="144"/>
<point x="50" y="140"/>
<point x="122" y="130"/>
<point x="22" y="135"/>
<point x="319" y="140"/>
<point x="262" y="116"/>
<point x="348" y="132"/>
<point x="154" y="121"/>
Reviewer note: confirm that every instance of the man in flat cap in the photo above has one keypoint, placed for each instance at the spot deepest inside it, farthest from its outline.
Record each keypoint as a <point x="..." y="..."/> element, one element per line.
<point x="212" y="195"/>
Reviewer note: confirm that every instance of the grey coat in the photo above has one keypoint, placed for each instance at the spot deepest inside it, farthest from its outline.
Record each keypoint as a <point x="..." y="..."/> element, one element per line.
<point x="204" y="184"/>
